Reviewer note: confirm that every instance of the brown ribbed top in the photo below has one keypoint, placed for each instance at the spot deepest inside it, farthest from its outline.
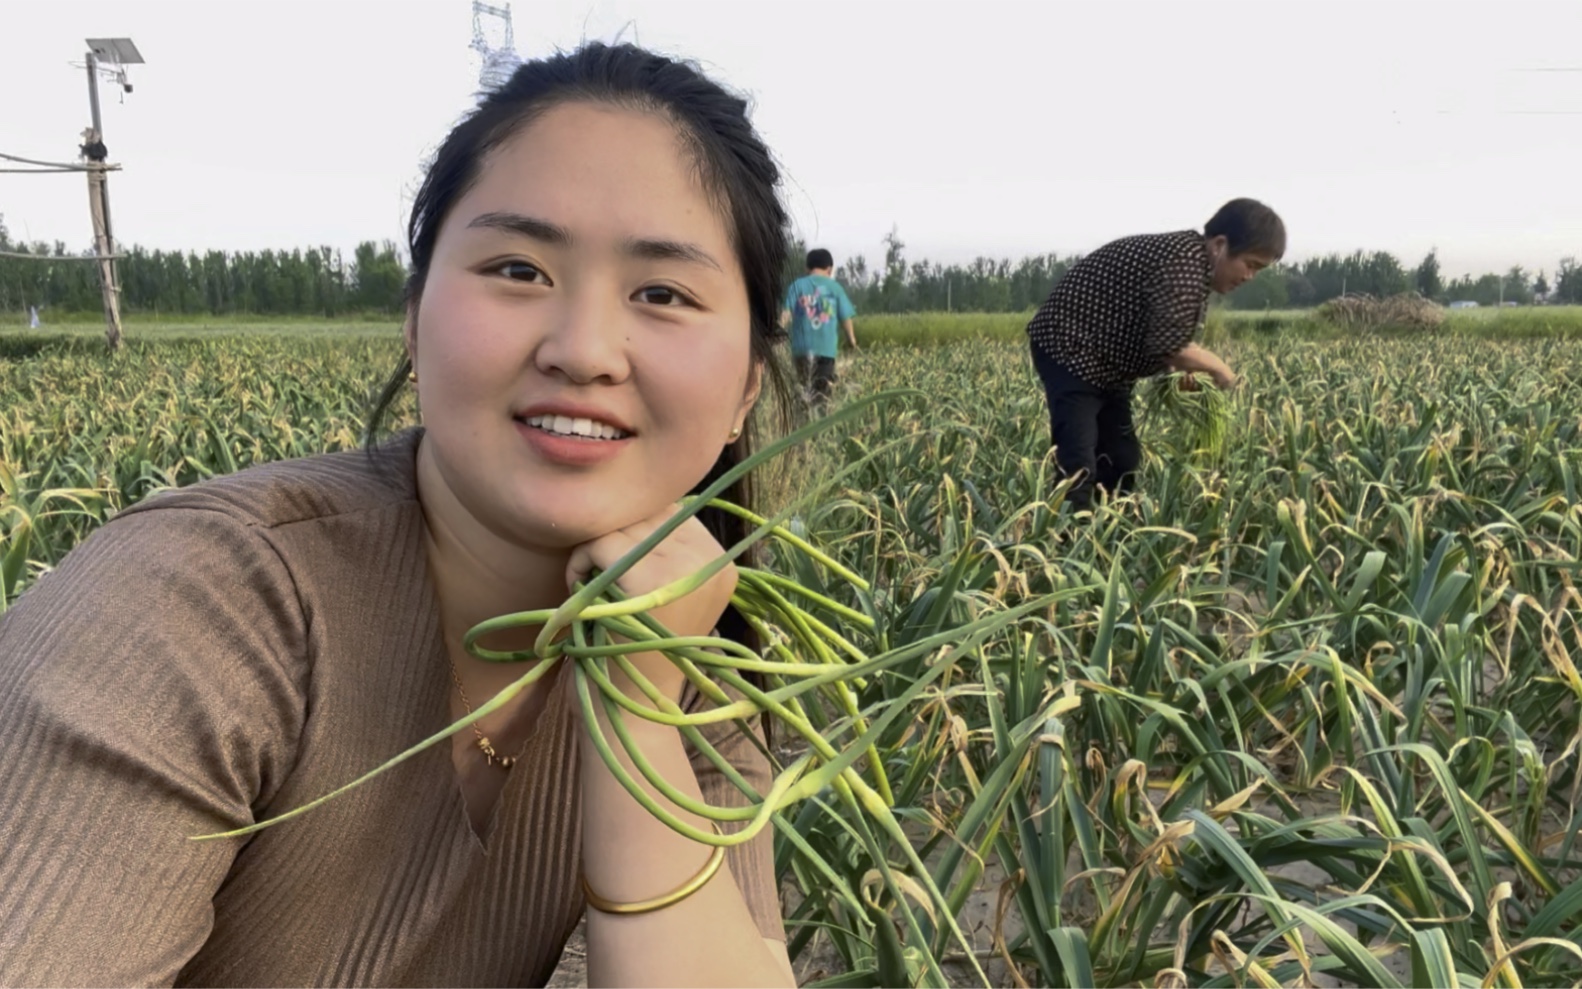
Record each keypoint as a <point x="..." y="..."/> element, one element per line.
<point x="224" y="653"/>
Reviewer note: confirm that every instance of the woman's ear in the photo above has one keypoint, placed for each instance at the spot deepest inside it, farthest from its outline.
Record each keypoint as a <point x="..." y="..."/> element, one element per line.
<point x="754" y="388"/>
<point x="409" y="333"/>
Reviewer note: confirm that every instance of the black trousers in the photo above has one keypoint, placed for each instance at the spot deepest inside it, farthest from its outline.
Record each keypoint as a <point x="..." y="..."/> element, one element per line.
<point x="1091" y="430"/>
<point x="817" y="375"/>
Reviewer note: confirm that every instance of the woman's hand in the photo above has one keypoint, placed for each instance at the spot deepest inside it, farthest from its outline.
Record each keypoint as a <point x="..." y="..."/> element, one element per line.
<point x="684" y="552"/>
<point x="1194" y="357"/>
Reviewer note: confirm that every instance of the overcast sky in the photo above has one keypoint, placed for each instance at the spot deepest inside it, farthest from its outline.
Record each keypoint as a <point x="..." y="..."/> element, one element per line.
<point x="974" y="127"/>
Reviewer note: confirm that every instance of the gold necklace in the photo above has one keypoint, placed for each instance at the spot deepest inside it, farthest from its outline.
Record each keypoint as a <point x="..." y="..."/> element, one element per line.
<point x="484" y="745"/>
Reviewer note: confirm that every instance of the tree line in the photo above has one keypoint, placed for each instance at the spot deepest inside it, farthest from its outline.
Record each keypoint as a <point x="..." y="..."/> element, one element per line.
<point x="319" y="281"/>
<point x="1002" y="285"/>
<point x="313" y="281"/>
<point x="1315" y="281"/>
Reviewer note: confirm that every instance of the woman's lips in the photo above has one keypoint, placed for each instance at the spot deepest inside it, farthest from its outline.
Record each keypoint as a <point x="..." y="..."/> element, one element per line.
<point x="568" y="450"/>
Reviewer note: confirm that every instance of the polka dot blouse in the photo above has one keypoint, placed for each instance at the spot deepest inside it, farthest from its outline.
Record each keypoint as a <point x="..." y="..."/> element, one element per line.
<point x="1123" y="309"/>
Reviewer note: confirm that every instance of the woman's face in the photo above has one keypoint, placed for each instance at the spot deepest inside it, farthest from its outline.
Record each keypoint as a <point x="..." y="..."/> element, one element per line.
<point x="582" y="343"/>
<point x="1232" y="271"/>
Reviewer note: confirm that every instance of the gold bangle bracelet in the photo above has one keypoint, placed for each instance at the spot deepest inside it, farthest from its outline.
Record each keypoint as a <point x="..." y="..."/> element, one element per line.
<point x="671" y="898"/>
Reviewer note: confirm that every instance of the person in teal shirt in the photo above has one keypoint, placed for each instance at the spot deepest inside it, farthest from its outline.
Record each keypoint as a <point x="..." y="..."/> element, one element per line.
<point x="814" y="305"/>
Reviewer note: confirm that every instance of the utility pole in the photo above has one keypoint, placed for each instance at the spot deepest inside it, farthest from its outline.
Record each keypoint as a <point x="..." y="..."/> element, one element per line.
<point x="98" y="123"/>
<point x="99" y="213"/>
<point x="118" y="52"/>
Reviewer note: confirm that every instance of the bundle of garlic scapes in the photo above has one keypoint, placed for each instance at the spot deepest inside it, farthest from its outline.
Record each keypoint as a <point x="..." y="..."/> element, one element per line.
<point x="1201" y="412"/>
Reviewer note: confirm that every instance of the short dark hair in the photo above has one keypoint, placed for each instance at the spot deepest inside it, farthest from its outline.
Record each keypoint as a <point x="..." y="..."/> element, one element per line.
<point x="1248" y="226"/>
<point x="819" y="258"/>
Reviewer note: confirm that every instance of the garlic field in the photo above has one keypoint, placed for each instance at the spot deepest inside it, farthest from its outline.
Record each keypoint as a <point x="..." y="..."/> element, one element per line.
<point x="1304" y="711"/>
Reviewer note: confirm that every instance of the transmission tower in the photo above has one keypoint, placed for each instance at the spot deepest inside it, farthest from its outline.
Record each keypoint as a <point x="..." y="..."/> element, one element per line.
<point x="499" y="60"/>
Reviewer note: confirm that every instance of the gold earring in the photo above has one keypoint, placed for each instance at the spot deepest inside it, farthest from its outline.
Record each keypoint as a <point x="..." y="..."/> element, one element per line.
<point x="412" y="377"/>
<point x="735" y="433"/>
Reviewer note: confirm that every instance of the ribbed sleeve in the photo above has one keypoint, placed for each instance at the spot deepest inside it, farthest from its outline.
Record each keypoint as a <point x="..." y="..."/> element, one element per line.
<point x="150" y="689"/>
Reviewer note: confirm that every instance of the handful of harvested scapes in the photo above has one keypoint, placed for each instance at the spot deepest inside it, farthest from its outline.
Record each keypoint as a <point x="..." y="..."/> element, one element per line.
<point x="822" y="647"/>
<point x="1201" y="410"/>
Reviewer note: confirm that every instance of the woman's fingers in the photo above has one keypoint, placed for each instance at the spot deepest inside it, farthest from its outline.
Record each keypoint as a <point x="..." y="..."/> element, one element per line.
<point x="599" y="554"/>
<point x="684" y="551"/>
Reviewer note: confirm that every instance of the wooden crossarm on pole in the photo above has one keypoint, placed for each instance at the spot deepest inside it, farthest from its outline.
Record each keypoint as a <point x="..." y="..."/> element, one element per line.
<point x="60" y="166"/>
<point x="60" y="257"/>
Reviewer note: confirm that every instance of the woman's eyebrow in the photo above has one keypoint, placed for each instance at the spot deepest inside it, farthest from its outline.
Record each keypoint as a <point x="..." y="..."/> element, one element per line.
<point x="670" y="250"/>
<point x="524" y="226"/>
<point x="646" y="248"/>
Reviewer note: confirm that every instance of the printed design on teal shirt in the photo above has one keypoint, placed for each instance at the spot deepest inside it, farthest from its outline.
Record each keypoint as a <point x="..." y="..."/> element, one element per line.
<point x="818" y="307"/>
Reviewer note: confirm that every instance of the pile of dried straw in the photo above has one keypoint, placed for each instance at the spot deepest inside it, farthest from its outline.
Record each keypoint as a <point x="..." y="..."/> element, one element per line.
<point x="1361" y="313"/>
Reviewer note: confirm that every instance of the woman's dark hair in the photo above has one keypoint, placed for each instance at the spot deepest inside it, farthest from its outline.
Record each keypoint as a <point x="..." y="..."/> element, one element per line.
<point x="734" y="166"/>
<point x="1248" y="225"/>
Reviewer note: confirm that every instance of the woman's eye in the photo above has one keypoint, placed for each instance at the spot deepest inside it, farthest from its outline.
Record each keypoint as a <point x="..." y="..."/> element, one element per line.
<point x="520" y="271"/>
<point x="661" y="295"/>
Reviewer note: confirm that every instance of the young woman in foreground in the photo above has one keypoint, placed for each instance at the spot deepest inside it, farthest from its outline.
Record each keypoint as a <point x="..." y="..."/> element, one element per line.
<point x="596" y="254"/>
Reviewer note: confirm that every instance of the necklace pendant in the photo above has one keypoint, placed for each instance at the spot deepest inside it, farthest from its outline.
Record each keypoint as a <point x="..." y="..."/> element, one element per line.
<point x="492" y="757"/>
